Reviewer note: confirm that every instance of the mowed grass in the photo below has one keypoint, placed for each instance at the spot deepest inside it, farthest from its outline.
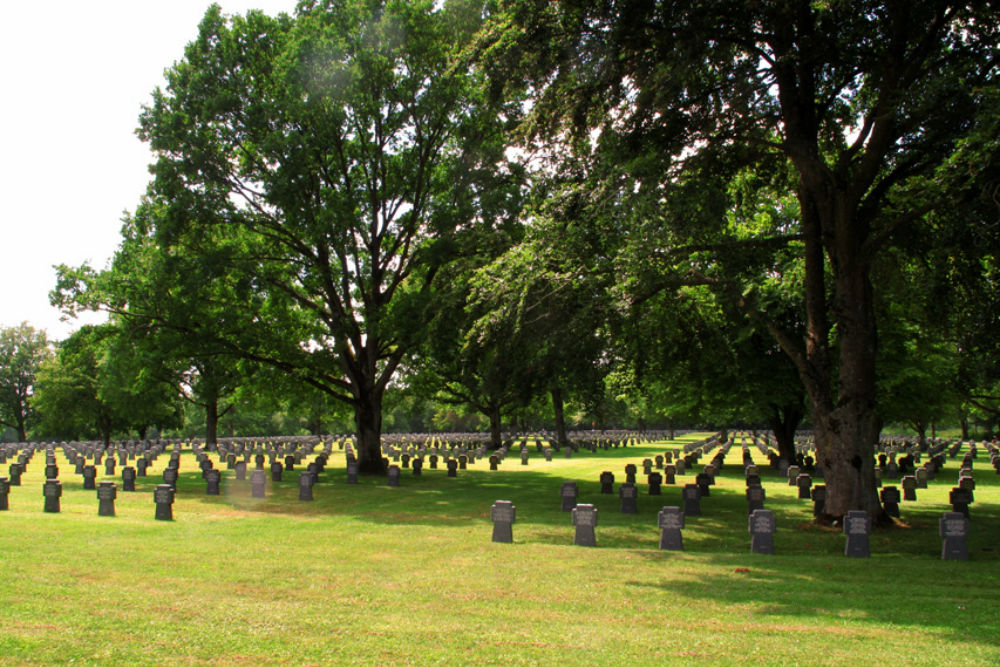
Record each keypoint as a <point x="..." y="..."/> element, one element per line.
<point x="372" y="575"/>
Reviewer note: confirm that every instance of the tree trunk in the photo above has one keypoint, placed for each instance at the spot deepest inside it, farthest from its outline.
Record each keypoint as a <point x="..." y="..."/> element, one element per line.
<point x="368" y="427"/>
<point x="142" y="432"/>
<point x="493" y="412"/>
<point x="965" y="428"/>
<point x="557" y="408"/>
<point x="784" y="421"/>
<point x="211" y="422"/>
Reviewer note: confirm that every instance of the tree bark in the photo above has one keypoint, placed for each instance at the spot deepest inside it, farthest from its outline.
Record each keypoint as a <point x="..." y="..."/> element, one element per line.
<point x="560" y="417"/>
<point x="368" y="427"/>
<point x="784" y="421"/>
<point x="493" y="412"/>
<point x="211" y="422"/>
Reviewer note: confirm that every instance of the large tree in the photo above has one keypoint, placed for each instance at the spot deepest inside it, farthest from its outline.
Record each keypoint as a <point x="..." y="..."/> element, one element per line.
<point x="324" y="167"/>
<point x="880" y="109"/>
<point x="22" y="351"/>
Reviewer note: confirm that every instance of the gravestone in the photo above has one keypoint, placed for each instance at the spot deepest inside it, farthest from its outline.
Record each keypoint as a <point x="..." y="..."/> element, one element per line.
<point x="306" y="480"/>
<point x="703" y="481"/>
<point x="494" y="461"/>
<point x="647" y="466"/>
<point x="960" y="500"/>
<point x="818" y="494"/>
<point x="629" y="496"/>
<point x="892" y="470"/>
<point x="503" y="513"/>
<point x="890" y="500"/>
<point x="452" y="468"/>
<point x="954" y="529"/>
<point x="290" y="463"/>
<point x="691" y="494"/>
<point x="170" y="477"/>
<point x="909" y="484"/>
<point x="418" y="465"/>
<point x="277" y="470"/>
<point x="4" y="493"/>
<point x="658" y="459"/>
<point x="434" y="461"/>
<point x="654" y="479"/>
<point x="607" y="482"/>
<point x="163" y="496"/>
<point x="671" y="522"/>
<point x="793" y="473"/>
<point x="258" y="483"/>
<point x="52" y="490"/>
<point x="405" y="459"/>
<point x="669" y="474"/>
<point x="51" y="471"/>
<point x="857" y="527"/>
<point x="585" y="520"/>
<point x="241" y="470"/>
<point x="524" y="457"/>
<point x="630" y="470"/>
<point x="109" y="466"/>
<point x="106" y="494"/>
<point x="352" y="472"/>
<point x="90" y="478"/>
<point x="755" y="498"/>
<point x="393" y="476"/>
<point x="212" y="478"/>
<point x="804" y="482"/>
<point x="762" y="526"/>
<point x="140" y="467"/>
<point x="680" y="466"/>
<point x="568" y="492"/>
<point x="921" y="475"/>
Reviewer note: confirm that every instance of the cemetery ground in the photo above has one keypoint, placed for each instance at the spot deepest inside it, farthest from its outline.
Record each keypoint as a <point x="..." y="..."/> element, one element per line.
<point x="369" y="574"/>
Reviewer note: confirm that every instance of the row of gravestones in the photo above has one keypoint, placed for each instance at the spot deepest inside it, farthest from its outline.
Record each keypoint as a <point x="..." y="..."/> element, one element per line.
<point x="762" y="525"/>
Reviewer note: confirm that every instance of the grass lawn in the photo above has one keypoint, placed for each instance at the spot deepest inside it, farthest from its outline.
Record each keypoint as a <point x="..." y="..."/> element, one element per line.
<point x="372" y="575"/>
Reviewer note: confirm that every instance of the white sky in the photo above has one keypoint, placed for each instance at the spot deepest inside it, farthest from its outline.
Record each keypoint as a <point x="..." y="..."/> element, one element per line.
<point x="73" y="78"/>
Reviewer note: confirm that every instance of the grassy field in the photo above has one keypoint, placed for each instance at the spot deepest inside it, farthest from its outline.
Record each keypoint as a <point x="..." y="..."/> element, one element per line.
<point x="372" y="575"/>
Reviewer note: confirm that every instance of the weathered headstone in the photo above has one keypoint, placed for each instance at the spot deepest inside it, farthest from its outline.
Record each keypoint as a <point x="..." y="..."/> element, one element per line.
<point x="568" y="492"/>
<point x="352" y="472"/>
<point x="170" y="477"/>
<point x="890" y="500"/>
<point x="52" y="490"/>
<point x="393" y="476"/>
<point x="140" y="467"/>
<point x="960" y="500"/>
<point x="921" y="475"/>
<point x="630" y="471"/>
<point x="258" y="483"/>
<point x="671" y="522"/>
<point x="691" y="494"/>
<point x="241" y="470"/>
<point x="452" y="468"/>
<point x="494" y="461"/>
<point x="503" y="514"/>
<point x="585" y="520"/>
<point x="954" y="529"/>
<point x="106" y="494"/>
<point x="703" y="480"/>
<point x="818" y="494"/>
<point x="212" y="478"/>
<point x="755" y="498"/>
<point x="654" y="480"/>
<point x="857" y="527"/>
<point x="163" y="496"/>
<point x="607" y="482"/>
<point x="793" y="473"/>
<point x="277" y="470"/>
<point x="306" y="480"/>
<point x="804" y="483"/>
<point x="89" y="478"/>
<point x="628" y="495"/>
<point x="109" y="466"/>
<point x="418" y="465"/>
<point x="669" y="474"/>
<point x="762" y="526"/>
<point x="4" y="493"/>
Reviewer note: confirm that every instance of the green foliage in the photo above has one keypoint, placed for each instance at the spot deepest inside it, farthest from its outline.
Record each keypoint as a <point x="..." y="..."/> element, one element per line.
<point x="23" y="349"/>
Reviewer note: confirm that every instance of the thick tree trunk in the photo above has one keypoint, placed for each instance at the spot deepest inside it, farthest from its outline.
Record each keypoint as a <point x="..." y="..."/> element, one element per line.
<point x="211" y="423"/>
<point x="368" y="427"/>
<point x="493" y="412"/>
<point x="784" y="421"/>
<point x="557" y="408"/>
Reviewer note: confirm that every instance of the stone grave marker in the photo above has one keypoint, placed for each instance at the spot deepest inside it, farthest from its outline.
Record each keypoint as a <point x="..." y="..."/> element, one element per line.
<point x="921" y="475"/>
<point x="352" y="472"/>
<point x="90" y="478"/>
<point x="960" y="500"/>
<point x="109" y="466"/>
<point x="671" y="521"/>
<point x="241" y="470"/>
<point x="804" y="483"/>
<point x="628" y="495"/>
<point x="680" y="466"/>
<point x="654" y="479"/>
<point x="755" y="498"/>
<point x="51" y="471"/>
<point x="140" y="467"/>
<point x="306" y="481"/>
<point x="890" y="500"/>
<point x="658" y="460"/>
<point x="4" y="493"/>
<point x="52" y="491"/>
<point x="418" y="465"/>
<point x="909" y="484"/>
<point x="954" y="529"/>
<point x="762" y="525"/>
<point x="452" y="468"/>
<point x="524" y="457"/>
<point x="793" y="473"/>
<point x="647" y="466"/>
<point x="585" y="520"/>
<point x="170" y="477"/>
<point x="858" y="528"/>
<point x="106" y="494"/>
<point x="703" y="480"/>
<point x="568" y="492"/>
<point x="691" y="493"/>
<point x="818" y="495"/>
<point x="607" y="482"/>
<point x="163" y="496"/>
<point x="212" y="478"/>
<point x="669" y="473"/>
<point x="393" y="475"/>
<point x="503" y="513"/>
<point x="258" y="483"/>
<point x="630" y="471"/>
<point x="277" y="470"/>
